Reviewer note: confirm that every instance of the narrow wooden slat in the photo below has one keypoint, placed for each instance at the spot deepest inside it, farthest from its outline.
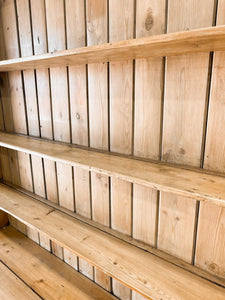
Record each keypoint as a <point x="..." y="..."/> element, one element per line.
<point x="150" y="20"/>
<point x="14" y="288"/>
<point x="44" y="273"/>
<point x="210" y="253"/>
<point x="26" y="48"/>
<point x="192" y="183"/>
<point x="199" y="40"/>
<point x="121" y="106"/>
<point x="134" y="267"/>
<point x="44" y="107"/>
<point x="97" y="31"/>
<point x="56" y="37"/>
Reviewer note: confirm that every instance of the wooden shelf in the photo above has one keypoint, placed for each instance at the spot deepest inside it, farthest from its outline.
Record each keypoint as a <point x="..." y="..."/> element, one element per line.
<point x="12" y="286"/>
<point x="47" y="275"/>
<point x="193" y="184"/>
<point x="146" y="273"/>
<point x="193" y="41"/>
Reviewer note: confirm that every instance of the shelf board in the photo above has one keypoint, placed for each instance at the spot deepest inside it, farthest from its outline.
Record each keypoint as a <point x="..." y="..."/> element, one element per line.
<point x="194" y="184"/>
<point x="146" y="273"/>
<point x="193" y="41"/>
<point x="47" y="275"/>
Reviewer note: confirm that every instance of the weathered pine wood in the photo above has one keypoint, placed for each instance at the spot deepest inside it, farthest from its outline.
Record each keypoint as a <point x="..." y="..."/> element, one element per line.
<point x="19" y="163"/>
<point x="130" y="265"/>
<point x="178" y="43"/>
<point x="210" y="254"/>
<point x="192" y="183"/>
<point x="45" y="274"/>
<point x="97" y="31"/>
<point x="165" y="256"/>
<point x="26" y="48"/>
<point x="56" y="38"/>
<point x="183" y="125"/>
<point x="14" y="288"/>
<point x="150" y="20"/>
<point x="121" y="27"/>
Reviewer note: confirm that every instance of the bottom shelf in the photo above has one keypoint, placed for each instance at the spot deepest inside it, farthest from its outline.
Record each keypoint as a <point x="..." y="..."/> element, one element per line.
<point x="143" y="272"/>
<point x="30" y="272"/>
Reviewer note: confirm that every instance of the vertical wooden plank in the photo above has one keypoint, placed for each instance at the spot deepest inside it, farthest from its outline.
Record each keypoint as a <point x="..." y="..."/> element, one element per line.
<point x="75" y="29"/>
<point x="65" y="186"/>
<point x="86" y="269"/>
<point x="58" y="76"/>
<point x="136" y="296"/>
<point x="5" y="164"/>
<point x="144" y="214"/>
<point x="60" y="102"/>
<point x="121" y="291"/>
<point x="44" y="104"/>
<point x="121" y="101"/>
<point x="75" y="24"/>
<point x="70" y="258"/>
<point x="210" y="253"/>
<point x="150" y="20"/>
<point x="82" y="192"/>
<point x="121" y="27"/>
<point x="97" y="33"/>
<point x="184" y="113"/>
<point x="100" y="198"/>
<point x="26" y="48"/>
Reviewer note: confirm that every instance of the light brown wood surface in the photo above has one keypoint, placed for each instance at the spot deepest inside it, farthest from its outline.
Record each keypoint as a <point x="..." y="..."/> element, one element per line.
<point x="149" y="72"/>
<point x="185" y="100"/>
<point x="210" y="254"/>
<point x="97" y="33"/>
<point x="43" y="272"/>
<point x="121" y="27"/>
<point x="194" y="183"/>
<point x="132" y="266"/>
<point x="200" y="40"/>
<point x="14" y="288"/>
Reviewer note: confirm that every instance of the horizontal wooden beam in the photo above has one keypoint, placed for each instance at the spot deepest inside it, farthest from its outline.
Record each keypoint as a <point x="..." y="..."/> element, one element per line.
<point x="147" y="274"/>
<point x="193" y="41"/>
<point x="193" y="184"/>
<point x="48" y="276"/>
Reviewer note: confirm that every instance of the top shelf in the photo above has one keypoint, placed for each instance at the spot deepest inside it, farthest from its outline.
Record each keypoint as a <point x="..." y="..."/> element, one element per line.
<point x="193" y="41"/>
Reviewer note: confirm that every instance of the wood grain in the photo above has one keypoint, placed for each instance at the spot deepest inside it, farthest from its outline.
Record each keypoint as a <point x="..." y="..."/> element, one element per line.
<point x="44" y="273"/>
<point x="97" y="31"/>
<point x="210" y="240"/>
<point x="149" y="72"/>
<point x="190" y="182"/>
<point x="185" y="98"/>
<point x="12" y="287"/>
<point x="178" y="43"/>
<point x="134" y="267"/>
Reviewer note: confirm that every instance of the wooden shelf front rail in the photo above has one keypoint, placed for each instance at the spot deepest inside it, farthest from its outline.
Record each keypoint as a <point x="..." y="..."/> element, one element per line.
<point x="178" y="43"/>
<point x="145" y="273"/>
<point x="194" y="184"/>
